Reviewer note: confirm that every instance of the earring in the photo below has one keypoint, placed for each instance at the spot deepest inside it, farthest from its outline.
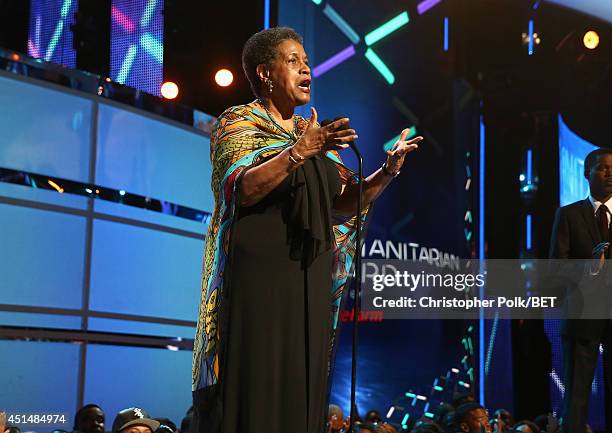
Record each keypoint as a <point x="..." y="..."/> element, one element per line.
<point x="270" y="85"/>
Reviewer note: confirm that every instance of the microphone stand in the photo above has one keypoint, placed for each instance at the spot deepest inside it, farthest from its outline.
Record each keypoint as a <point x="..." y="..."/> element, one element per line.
<point x="357" y="289"/>
<point x="357" y="300"/>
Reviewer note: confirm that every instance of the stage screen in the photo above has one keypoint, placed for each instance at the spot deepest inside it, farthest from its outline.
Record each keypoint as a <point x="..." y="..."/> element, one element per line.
<point x="601" y="9"/>
<point x="49" y="36"/>
<point x="26" y="119"/>
<point x="572" y="150"/>
<point x="137" y="43"/>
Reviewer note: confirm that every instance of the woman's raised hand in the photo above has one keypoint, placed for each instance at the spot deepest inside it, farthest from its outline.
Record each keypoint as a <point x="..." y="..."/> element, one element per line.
<point x="397" y="154"/>
<point x="316" y="140"/>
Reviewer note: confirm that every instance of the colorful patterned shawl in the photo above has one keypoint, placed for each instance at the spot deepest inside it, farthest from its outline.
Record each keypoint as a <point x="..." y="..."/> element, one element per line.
<point x="244" y="136"/>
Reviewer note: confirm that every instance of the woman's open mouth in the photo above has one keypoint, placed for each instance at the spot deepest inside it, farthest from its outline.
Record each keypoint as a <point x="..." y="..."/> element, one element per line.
<point x="304" y="86"/>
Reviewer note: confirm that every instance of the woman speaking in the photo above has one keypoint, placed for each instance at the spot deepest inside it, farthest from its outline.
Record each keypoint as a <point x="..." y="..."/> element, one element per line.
<point x="279" y="248"/>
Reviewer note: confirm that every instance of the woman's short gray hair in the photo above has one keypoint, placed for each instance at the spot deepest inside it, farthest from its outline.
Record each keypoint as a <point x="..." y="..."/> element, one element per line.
<point x="261" y="49"/>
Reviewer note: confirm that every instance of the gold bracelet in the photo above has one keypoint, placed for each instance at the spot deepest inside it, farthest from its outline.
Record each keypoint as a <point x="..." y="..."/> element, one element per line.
<point x="292" y="157"/>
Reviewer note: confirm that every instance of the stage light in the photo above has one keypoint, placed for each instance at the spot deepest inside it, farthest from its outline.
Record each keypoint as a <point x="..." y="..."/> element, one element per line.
<point x="55" y="186"/>
<point x="529" y="165"/>
<point x="334" y="61"/>
<point x="169" y="90"/>
<point x="528" y="230"/>
<point x="387" y="28"/>
<point x="530" y="42"/>
<point x="389" y="144"/>
<point x="591" y="39"/>
<point x="224" y="77"/>
<point x="266" y="14"/>
<point x="391" y="410"/>
<point x="425" y="5"/>
<point x="380" y="66"/>
<point x="468" y="217"/>
<point x="445" y="33"/>
<point x="344" y="27"/>
<point x="531" y="39"/>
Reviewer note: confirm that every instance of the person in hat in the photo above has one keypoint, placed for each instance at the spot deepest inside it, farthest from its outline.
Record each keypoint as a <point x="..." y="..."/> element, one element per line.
<point x="134" y="420"/>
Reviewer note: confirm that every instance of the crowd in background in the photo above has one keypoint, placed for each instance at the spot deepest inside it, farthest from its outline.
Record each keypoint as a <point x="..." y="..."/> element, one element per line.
<point x="463" y="415"/>
<point x="92" y="419"/>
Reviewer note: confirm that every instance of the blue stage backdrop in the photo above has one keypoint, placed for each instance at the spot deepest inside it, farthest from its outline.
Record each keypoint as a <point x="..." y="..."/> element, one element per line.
<point x="137" y="44"/>
<point x="49" y="37"/>
<point x="386" y="66"/>
<point x="80" y="258"/>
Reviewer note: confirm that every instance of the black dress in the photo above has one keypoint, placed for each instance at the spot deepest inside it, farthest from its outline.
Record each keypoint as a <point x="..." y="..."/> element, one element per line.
<point x="275" y="372"/>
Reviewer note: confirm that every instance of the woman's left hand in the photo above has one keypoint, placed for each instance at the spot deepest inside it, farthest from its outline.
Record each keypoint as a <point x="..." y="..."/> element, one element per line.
<point x="397" y="154"/>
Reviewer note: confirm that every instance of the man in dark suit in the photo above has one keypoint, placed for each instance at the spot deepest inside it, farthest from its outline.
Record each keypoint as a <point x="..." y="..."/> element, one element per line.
<point x="582" y="231"/>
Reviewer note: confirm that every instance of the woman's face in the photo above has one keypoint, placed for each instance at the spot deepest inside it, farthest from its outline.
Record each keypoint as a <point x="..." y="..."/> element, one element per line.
<point x="290" y="73"/>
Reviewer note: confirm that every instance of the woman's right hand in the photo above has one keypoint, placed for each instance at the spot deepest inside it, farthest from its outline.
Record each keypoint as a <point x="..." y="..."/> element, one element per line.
<point x="316" y="140"/>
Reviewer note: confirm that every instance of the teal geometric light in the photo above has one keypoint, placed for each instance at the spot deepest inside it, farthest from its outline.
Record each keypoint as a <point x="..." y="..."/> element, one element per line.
<point x="380" y="66"/>
<point x="387" y="28"/>
<point x="389" y="144"/>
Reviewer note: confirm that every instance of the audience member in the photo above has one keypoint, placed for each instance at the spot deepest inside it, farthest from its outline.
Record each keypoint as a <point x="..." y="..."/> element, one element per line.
<point x="166" y="426"/>
<point x="335" y="419"/>
<point x="441" y="412"/>
<point x="502" y="420"/>
<point x="547" y="423"/>
<point x="448" y="422"/>
<point x="430" y="427"/>
<point x="373" y="417"/>
<point x="463" y="398"/>
<point x="186" y="422"/>
<point x="89" y="419"/>
<point x="385" y="428"/>
<point x="526" y="426"/>
<point x="134" y="420"/>
<point x="366" y="428"/>
<point x="471" y="418"/>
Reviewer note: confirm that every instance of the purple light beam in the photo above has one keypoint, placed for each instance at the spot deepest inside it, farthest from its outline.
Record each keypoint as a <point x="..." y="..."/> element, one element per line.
<point x="425" y="5"/>
<point x="334" y="61"/>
